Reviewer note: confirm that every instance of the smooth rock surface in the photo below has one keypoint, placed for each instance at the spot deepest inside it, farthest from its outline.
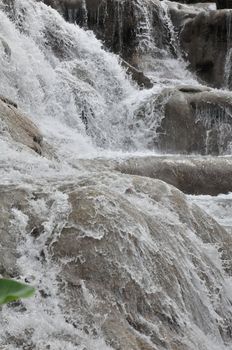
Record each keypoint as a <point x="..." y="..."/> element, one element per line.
<point x="192" y="175"/>
<point x="14" y="124"/>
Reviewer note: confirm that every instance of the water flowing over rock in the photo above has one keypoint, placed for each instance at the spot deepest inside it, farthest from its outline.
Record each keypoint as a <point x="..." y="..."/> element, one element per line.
<point x="125" y="27"/>
<point x="196" y="120"/>
<point x="152" y="249"/>
<point x="120" y="259"/>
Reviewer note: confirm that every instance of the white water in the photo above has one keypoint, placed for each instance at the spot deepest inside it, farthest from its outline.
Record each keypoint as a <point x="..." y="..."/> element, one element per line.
<point x="219" y="207"/>
<point x="61" y="76"/>
<point x="228" y="63"/>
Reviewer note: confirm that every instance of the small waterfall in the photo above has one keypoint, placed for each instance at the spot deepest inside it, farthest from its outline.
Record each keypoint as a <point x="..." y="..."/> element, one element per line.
<point x="218" y="122"/>
<point x="144" y="26"/>
<point x="76" y="15"/>
<point x="174" y="40"/>
<point x="70" y="60"/>
<point x="228" y="61"/>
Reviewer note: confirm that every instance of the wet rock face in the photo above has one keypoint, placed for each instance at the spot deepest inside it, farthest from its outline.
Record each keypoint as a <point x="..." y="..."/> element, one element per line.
<point x="196" y="120"/>
<point x="10" y="197"/>
<point x="192" y="175"/>
<point x="121" y="25"/>
<point x="206" y="40"/>
<point x="17" y="126"/>
<point x="130" y="253"/>
<point x="126" y="254"/>
<point x="224" y="4"/>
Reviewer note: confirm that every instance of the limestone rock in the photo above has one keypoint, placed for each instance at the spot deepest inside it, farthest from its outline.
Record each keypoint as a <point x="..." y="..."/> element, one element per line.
<point x="17" y="126"/>
<point x="121" y="263"/>
<point x="129" y="252"/>
<point x="196" y="120"/>
<point x="192" y="175"/>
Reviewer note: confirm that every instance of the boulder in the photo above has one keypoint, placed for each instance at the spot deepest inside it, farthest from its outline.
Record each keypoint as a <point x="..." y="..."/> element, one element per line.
<point x="181" y="12"/>
<point x="206" y="41"/>
<point x="133" y="253"/>
<point x="196" y="120"/>
<point x="126" y="257"/>
<point x="192" y="175"/>
<point x="14" y="124"/>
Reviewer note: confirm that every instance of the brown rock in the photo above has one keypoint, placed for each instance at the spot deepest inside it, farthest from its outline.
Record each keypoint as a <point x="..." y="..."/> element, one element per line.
<point x="16" y="125"/>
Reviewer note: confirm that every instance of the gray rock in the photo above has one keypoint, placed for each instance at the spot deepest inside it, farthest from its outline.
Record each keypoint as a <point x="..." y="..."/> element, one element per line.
<point x="192" y="175"/>
<point x="206" y="39"/>
<point x="196" y="120"/>
<point x="111" y="269"/>
<point x="130" y="253"/>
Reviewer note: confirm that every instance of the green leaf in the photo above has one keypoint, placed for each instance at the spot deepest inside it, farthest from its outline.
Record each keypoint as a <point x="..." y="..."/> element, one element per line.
<point x="11" y="290"/>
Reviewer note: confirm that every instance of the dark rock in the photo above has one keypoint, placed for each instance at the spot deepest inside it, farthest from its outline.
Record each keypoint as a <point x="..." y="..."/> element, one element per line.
<point x="8" y="101"/>
<point x="119" y="24"/>
<point x="206" y="39"/>
<point x="137" y="75"/>
<point x="224" y="4"/>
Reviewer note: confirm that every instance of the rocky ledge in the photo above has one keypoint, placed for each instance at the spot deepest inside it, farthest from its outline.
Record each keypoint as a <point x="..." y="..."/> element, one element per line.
<point x="17" y="126"/>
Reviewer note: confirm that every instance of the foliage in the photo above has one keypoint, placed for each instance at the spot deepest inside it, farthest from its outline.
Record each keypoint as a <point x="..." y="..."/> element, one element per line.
<point x="11" y="290"/>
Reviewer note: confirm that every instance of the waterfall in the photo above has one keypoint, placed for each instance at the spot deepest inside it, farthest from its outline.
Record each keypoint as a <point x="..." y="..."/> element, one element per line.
<point x="116" y="259"/>
<point x="63" y="57"/>
<point x="228" y="60"/>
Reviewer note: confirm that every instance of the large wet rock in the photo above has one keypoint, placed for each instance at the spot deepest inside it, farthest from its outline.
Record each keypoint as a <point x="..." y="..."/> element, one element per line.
<point x="196" y="120"/>
<point x="206" y="40"/>
<point x="14" y="124"/>
<point x="192" y="175"/>
<point x="133" y="254"/>
<point x="180" y="13"/>
<point x="134" y="261"/>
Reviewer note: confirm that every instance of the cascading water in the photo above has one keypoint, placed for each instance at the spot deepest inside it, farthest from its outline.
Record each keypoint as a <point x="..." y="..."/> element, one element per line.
<point x="87" y="107"/>
<point x="228" y="67"/>
<point x="83" y="74"/>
